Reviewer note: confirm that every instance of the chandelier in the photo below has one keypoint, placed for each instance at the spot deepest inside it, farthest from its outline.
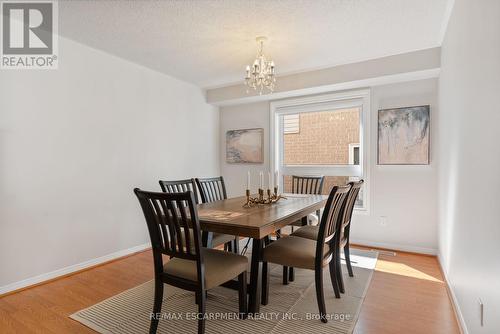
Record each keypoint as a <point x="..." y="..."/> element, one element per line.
<point x="260" y="75"/>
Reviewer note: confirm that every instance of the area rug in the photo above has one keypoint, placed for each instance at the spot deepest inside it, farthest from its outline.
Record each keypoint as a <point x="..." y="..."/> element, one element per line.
<point x="292" y="308"/>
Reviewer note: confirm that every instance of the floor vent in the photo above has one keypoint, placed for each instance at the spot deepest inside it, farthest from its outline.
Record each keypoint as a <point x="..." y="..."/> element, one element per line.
<point x="385" y="252"/>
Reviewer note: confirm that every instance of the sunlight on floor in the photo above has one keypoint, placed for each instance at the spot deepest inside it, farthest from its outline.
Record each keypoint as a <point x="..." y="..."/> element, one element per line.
<point x="403" y="270"/>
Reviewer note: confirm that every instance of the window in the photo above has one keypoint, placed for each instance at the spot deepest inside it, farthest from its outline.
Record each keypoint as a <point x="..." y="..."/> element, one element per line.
<point x="322" y="135"/>
<point x="354" y="154"/>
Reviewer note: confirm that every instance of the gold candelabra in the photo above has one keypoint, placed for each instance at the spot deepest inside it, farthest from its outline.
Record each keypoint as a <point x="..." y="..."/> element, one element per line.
<point x="269" y="199"/>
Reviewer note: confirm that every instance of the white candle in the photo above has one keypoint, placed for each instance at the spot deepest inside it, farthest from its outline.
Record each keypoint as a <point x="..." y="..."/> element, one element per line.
<point x="261" y="180"/>
<point x="277" y="178"/>
<point x="248" y="180"/>
<point x="269" y="181"/>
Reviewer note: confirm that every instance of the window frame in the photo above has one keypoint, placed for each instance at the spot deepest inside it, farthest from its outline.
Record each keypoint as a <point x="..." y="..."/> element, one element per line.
<point x="324" y="102"/>
<point x="351" y="152"/>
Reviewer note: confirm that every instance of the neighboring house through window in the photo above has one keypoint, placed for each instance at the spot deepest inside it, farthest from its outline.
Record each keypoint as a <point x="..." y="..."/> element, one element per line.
<point x="322" y="135"/>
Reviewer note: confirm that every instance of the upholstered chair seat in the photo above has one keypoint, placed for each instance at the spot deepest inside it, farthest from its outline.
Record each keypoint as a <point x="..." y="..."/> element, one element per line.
<point x="293" y="252"/>
<point x="311" y="232"/>
<point x="220" y="267"/>
<point x="221" y="239"/>
<point x="308" y="232"/>
<point x="218" y="239"/>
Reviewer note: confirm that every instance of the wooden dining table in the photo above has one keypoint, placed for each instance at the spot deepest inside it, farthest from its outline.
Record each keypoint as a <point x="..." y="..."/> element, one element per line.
<point x="258" y="222"/>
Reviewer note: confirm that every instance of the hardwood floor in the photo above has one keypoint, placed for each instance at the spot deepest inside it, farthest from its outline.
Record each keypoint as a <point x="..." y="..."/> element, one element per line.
<point x="407" y="295"/>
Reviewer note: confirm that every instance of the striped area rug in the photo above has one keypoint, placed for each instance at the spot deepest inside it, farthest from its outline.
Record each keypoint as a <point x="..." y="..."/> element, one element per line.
<point x="292" y="308"/>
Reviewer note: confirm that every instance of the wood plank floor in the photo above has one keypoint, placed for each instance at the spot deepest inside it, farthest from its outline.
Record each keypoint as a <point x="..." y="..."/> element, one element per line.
<point x="407" y="295"/>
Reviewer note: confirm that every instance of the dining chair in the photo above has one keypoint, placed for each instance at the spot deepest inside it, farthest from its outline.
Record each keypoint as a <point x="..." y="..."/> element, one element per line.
<point x="211" y="189"/>
<point x="209" y="239"/>
<point x="308" y="185"/>
<point x="312" y="232"/>
<point x="293" y="251"/>
<point x="311" y="185"/>
<point x="214" y="189"/>
<point x="191" y="266"/>
<point x="179" y="186"/>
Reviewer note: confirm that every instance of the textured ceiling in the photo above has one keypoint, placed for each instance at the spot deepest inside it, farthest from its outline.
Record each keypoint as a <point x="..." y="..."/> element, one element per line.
<point x="209" y="43"/>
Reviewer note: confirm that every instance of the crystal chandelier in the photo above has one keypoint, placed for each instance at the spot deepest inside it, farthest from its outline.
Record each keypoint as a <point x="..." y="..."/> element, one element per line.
<point x="260" y="75"/>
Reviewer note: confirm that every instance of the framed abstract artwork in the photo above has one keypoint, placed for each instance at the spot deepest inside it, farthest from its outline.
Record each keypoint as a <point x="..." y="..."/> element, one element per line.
<point x="404" y="136"/>
<point x="245" y="146"/>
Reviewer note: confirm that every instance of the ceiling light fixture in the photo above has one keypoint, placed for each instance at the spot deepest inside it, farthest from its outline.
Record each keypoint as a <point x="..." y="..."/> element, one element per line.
<point x="261" y="74"/>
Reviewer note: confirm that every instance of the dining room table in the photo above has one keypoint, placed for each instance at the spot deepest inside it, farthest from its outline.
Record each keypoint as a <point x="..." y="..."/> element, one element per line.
<point x="257" y="222"/>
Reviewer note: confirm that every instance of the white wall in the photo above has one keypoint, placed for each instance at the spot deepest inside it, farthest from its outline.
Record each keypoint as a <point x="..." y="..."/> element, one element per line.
<point x="469" y="151"/>
<point x="244" y="116"/>
<point x="406" y="195"/>
<point x="74" y="142"/>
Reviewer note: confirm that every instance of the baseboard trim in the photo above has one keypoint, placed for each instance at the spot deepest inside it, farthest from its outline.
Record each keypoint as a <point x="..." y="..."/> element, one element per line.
<point x="396" y="247"/>
<point x="70" y="270"/>
<point x="454" y="301"/>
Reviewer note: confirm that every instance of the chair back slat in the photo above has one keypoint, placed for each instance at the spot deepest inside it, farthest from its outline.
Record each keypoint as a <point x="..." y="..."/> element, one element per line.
<point x="211" y="189"/>
<point x="180" y="186"/>
<point x="332" y="217"/>
<point x="169" y="217"/>
<point x="349" y="206"/>
<point x="307" y="184"/>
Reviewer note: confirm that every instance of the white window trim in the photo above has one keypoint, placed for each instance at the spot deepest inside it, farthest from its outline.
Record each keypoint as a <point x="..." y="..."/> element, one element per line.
<point x="351" y="152"/>
<point x="341" y="100"/>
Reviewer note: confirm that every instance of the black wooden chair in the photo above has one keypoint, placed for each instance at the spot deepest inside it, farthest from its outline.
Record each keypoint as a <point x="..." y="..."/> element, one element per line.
<point x="191" y="267"/>
<point x="214" y="189"/>
<point x="210" y="240"/>
<point x="179" y="186"/>
<point x="308" y="185"/>
<point x="211" y="189"/>
<point x="305" y="253"/>
<point x="312" y="185"/>
<point x="311" y="232"/>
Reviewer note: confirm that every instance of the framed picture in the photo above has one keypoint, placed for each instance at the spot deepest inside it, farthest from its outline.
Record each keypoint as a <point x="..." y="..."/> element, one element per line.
<point x="404" y="136"/>
<point x="245" y="146"/>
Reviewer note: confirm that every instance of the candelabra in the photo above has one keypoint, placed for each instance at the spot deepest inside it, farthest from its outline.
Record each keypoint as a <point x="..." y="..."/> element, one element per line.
<point x="270" y="199"/>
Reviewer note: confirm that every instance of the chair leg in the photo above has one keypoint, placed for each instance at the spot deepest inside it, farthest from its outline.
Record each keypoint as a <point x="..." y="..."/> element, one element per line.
<point x="285" y="275"/>
<point x="156" y="306"/>
<point x="320" y="296"/>
<point x="265" y="284"/>
<point x="347" y="254"/>
<point x="201" y="311"/>
<point x="333" y="278"/>
<point x="236" y="247"/>
<point x="338" y="267"/>
<point x="291" y="274"/>
<point x="242" y="295"/>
